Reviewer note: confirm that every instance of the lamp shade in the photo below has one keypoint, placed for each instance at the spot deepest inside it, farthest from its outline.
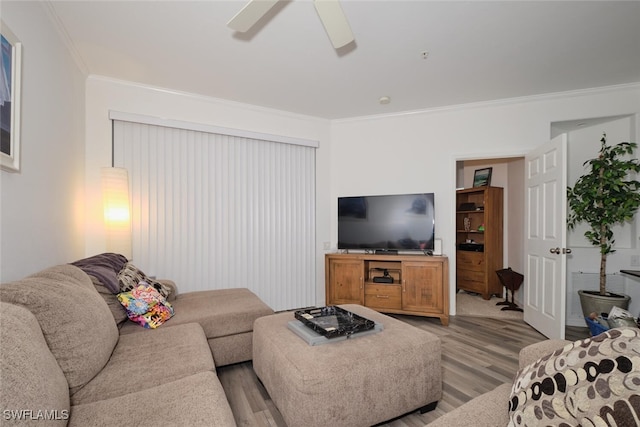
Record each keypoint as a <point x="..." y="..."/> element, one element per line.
<point x="117" y="217"/>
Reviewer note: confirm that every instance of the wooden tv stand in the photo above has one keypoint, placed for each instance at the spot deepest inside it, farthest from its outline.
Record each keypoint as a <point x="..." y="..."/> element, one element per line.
<point x="420" y="283"/>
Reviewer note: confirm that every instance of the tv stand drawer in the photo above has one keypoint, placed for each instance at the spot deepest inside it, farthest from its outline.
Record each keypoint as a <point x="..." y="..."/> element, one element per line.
<point x="383" y="296"/>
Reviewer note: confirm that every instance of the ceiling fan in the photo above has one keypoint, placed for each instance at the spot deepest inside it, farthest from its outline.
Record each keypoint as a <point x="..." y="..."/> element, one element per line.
<point x="330" y="12"/>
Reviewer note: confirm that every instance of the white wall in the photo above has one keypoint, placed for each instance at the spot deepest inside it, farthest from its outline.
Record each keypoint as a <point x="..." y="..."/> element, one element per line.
<point x="418" y="151"/>
<point x="105" y="94"/>
<point x="42" y="207"/>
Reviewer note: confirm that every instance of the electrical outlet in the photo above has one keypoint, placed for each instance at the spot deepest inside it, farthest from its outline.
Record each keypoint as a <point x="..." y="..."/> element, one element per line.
<point x="635" y="260"/>
<point x="327" y="246"/>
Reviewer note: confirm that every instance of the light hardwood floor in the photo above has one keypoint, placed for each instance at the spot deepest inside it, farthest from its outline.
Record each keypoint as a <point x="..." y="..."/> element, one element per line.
<point x="478" y="354"/>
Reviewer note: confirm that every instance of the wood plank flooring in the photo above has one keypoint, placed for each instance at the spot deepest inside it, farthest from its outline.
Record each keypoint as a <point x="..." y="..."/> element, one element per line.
<point x="478" y="354"/>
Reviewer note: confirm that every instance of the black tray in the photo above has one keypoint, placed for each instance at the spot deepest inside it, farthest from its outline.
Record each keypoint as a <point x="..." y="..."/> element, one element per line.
<point x="333" y="321"/>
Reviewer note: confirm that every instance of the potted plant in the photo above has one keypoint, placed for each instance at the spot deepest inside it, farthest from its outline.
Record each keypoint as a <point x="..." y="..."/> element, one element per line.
<point x="603" y="197"/>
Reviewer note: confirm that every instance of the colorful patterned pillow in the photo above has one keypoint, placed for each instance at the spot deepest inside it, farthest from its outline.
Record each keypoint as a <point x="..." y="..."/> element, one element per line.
<point x="146" y="306"/>
<point x="591" y="382"/>
<point x="130" y="276"/>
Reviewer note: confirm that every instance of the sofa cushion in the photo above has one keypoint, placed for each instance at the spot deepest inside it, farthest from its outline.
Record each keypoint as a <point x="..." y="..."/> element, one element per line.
<point x="196" y="400"/>
<point x="595" y="381"/>
<point x="173" y="288"/>
<point x="130" y="277"/>
<point x="535" y="351"/>
<point x="143" y="361"/>
<point x="145" y="306"/>
<point x="117" y="310"/>
<point x="76" y="322"/>
<point x="30" y="376"/>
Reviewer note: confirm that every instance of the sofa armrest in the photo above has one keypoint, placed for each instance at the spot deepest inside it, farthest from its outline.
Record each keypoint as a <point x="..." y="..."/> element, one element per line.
<point x="533" y="352"/>
<point x="174" y="288"/>
<point x="490" y="409"/>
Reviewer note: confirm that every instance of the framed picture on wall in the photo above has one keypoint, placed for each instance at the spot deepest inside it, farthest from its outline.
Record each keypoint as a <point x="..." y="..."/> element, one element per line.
<point x="10" y="73"/>
<point x="482" y="177"/>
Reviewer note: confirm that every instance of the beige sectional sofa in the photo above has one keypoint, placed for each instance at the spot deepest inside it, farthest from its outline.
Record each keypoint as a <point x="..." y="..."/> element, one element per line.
<point x="595" y="381"/>
<point x="490" y="409"/>
<point x="67" y="356"/>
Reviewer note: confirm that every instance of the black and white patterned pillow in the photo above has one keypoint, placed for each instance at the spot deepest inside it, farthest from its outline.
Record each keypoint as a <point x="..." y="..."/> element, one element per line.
<point x="591" y="382"/>
<point x="130" y="277"/>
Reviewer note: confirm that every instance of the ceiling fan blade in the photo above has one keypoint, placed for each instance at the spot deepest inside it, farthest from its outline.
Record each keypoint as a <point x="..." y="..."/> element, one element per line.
<point x="250" y="14"/>
<point x="335" y="22"/>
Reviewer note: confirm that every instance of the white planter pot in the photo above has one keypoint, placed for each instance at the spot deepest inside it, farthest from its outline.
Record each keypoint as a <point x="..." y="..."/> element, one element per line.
<point x="593" y="302"/>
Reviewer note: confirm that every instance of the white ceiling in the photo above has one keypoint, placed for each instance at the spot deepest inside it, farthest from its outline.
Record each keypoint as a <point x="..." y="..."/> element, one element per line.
<point x="477" y="51"/>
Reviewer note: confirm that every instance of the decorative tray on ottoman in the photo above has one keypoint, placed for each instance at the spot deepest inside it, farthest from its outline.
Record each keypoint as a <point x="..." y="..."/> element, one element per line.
<point x="333" y="321"/>
<point x="331" y="324"/>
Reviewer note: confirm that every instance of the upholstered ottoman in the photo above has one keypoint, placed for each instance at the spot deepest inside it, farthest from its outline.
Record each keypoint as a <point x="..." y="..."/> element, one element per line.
<point x="356" y="382"/>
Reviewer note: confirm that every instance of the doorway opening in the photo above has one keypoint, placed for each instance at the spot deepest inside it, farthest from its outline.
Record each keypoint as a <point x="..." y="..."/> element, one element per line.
<point x="507" y="173"/>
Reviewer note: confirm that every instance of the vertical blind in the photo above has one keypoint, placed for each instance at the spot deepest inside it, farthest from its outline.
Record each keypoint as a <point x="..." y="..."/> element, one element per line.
<point x="214" y="211"/>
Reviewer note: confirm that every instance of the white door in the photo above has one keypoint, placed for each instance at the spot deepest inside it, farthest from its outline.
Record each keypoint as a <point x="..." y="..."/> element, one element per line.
<point x="545" y="288"/>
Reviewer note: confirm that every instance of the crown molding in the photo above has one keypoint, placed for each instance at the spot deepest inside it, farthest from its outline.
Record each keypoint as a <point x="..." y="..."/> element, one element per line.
<point x="499" y="102"/>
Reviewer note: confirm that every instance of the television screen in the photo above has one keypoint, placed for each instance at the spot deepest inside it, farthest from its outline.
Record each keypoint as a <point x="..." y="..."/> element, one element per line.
<point x="399" y="222"/>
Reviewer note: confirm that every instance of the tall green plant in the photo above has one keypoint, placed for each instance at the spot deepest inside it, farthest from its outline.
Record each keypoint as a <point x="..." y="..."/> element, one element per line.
<point x="605" y="196"/>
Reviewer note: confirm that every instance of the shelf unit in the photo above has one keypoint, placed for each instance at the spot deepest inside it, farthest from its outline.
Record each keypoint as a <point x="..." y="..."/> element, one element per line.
<point x="479" y="220"/>
<point x="420" y="283"/>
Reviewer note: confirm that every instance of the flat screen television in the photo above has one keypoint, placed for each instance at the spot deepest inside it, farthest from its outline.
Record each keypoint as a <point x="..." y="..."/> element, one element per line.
<point x="403" y="222"/>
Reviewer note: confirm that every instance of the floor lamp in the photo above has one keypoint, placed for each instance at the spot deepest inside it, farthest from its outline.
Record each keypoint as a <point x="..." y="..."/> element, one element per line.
<point x="117" y="216"/>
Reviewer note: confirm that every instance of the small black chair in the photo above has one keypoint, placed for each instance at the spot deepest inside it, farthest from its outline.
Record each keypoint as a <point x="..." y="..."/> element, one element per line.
<point x="512" y="281"/>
